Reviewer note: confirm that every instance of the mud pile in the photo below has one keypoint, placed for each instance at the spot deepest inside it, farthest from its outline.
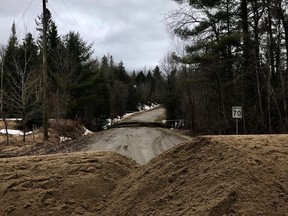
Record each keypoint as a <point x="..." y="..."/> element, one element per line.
<point x="211" y="176"/>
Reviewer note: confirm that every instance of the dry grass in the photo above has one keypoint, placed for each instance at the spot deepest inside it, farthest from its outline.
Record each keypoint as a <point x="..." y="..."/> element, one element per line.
<point x="10" y="123"/>
<point x="34" y="144"/>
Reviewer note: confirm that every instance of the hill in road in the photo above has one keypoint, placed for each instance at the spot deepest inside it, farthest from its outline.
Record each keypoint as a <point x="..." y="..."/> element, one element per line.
<point x="223" y="175"/>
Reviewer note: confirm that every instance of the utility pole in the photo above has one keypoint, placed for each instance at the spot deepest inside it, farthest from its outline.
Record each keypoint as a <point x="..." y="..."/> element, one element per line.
<point x="45" y="75"/>
<point x="2" y="82"/>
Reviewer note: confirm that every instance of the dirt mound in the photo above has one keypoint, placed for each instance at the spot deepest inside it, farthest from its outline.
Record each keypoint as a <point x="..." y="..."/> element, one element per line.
<point x="223" y="175"/>
<point x="66" y="184"/>
<point x="233" y="175"/>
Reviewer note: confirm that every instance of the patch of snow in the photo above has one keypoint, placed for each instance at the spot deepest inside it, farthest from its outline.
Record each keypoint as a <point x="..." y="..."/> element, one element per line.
<point x="87" y="132"/>
<point x="109" y="122"/>
<point x="140" y="107"/>
<point x="14" y="132"/>
<point x="64" y="139"/>
<point x="145" y="107"/>
<point x="13" y="119"/>
<point x="128" y="115"/>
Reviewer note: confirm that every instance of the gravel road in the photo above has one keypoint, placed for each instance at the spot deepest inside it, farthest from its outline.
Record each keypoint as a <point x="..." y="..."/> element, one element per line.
<point x="139" y="143"/>
<point x="149" y="116"/>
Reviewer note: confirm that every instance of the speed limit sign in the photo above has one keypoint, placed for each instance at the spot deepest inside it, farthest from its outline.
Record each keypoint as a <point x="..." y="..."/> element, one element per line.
<point x="237" y="112"/>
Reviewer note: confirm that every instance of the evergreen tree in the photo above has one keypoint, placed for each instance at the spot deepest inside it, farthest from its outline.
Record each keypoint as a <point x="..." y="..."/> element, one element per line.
<point x="10" y="67"/>
<point x="236" y="49"/>
<point x="158" y="85"/>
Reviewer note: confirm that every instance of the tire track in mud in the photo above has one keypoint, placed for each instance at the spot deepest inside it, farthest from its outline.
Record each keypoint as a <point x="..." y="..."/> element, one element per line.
<point x="157" y="144"/>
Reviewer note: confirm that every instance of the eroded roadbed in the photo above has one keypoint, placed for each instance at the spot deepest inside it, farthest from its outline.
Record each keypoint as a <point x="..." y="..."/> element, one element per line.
<point x="139" y="143"/>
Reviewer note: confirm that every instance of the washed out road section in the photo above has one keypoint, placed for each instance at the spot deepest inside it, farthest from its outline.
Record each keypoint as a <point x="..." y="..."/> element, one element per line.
<point x="139" y="143"/>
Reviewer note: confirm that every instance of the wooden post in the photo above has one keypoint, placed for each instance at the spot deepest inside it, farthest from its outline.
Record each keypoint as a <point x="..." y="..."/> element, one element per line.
<point x="45" y="79"/>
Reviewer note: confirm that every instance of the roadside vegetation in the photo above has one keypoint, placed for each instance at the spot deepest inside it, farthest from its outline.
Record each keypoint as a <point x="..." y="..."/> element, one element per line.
<point x="234" y="53"/>
<point x="81" y="87"/>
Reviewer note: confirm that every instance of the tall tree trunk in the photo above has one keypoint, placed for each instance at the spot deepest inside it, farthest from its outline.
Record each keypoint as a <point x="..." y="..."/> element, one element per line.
<point x="283" y="77"/>
<point x="274" y="70"/>
<point x="3" y="115"/>
<point x="6" y="128"/>
<point x="282" y="80"/>
<point x="2" y="86"/>
<point x="256" y="18"/>
<point x="271" y="70"/>
<point x="246" y="44"/>
<point x="229" y="49"/>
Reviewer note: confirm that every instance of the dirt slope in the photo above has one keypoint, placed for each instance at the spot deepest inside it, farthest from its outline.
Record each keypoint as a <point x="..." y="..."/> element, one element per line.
<point x="223" y="175"/>
<point x="212" y="176"/>
<point x="72" y="184"/>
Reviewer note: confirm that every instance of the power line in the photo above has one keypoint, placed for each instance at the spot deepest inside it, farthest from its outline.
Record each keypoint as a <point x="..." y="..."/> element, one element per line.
<point x="24" y="13"/>
<point x="59" y="17"/>
<point x="73" y="17"/>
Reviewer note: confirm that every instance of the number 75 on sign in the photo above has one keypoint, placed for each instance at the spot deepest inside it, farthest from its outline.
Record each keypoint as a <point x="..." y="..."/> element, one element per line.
<point x="237" y="112"/>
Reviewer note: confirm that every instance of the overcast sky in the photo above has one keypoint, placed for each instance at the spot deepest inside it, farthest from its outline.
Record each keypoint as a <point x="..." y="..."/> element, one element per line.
<point x="133" y="31"/>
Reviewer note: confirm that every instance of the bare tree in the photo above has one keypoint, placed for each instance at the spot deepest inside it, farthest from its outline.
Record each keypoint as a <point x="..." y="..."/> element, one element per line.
<point x="24" y="82"/>
<point x="3" y="115"/>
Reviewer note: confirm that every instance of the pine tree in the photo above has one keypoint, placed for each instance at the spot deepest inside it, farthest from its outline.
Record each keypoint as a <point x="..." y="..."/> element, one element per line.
<point x="11" y="56"/>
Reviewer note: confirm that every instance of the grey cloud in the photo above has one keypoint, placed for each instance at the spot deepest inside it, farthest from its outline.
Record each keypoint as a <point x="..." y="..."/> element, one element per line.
<point x="130" y="30"/>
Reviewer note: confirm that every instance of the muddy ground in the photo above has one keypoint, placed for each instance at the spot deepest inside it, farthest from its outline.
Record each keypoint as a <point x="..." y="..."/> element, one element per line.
<point x="211" y="175"/>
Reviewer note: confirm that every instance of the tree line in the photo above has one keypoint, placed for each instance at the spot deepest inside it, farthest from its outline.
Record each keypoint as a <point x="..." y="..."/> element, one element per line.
<point x="235" y="53"/>
<point x="80" y="86"/>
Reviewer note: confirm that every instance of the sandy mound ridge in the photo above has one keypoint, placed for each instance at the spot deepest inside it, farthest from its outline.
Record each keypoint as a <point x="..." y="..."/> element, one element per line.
<point x="68" y="184"/>
<point x="223" y="175"/>
<point x="211" y="176"/>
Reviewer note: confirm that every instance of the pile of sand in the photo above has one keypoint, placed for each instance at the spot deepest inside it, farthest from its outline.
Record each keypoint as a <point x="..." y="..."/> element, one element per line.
<point x="229" y="175"/>
<point x="233" y="175"/>
<point x="71" y="184"/>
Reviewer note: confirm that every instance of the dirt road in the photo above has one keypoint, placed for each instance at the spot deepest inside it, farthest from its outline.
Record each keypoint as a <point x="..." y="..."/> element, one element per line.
<point x="149" y="116"/>
<point x="139" y="143"/>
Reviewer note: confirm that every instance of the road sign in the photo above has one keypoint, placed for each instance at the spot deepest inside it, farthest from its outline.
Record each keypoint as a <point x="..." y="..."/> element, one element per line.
<point x="237" y="112"/>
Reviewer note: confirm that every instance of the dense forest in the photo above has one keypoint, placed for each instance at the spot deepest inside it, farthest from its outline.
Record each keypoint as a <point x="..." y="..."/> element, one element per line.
<point x="231" y="53"/>
<point x="80" y="86"/>
<point x="235" y="53"/>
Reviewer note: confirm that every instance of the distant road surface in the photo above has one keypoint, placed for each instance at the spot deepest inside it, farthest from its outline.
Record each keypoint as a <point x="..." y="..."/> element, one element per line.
<point x="139" y="143"/>
<point x="148" y="116"/>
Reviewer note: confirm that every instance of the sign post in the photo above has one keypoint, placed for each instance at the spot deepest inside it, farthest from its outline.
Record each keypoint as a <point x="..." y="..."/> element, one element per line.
<point x="237" y="114"/>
